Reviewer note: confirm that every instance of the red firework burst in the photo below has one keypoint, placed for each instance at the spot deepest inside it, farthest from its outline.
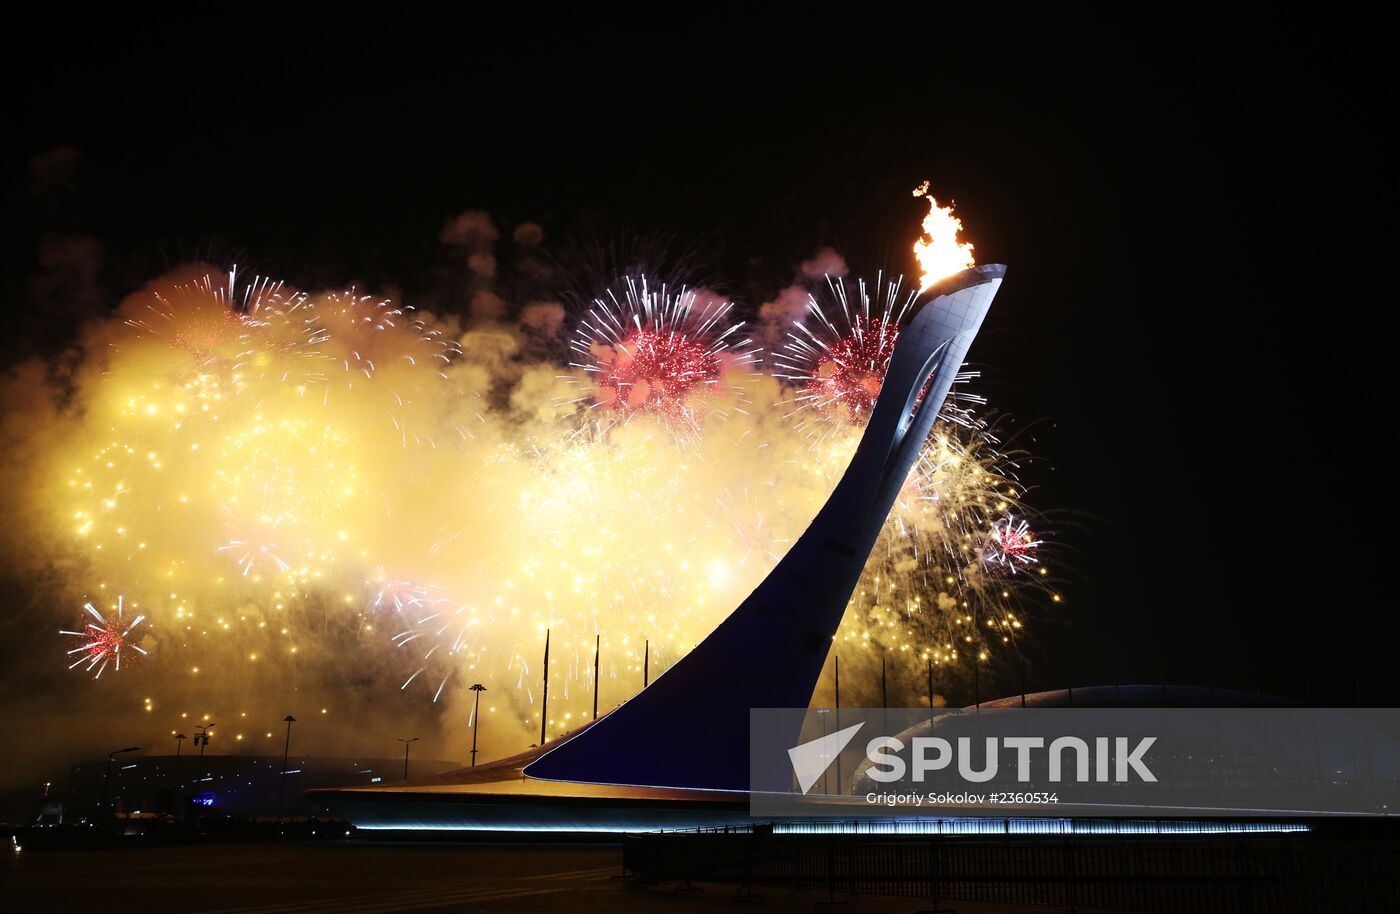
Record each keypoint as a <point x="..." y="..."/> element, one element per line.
<point x="652" y="349"/>
<point x="850" y="374"/>
<point x="651" y="369"/>
<point x="205" y="318"/>
<point x="104" y="639"/>
<point x="402" y="596"/>
<point x="837" y="355"/>
<point x="1012" y="545"/>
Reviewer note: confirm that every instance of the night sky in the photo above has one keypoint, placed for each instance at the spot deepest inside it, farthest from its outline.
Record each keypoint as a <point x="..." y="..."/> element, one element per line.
<point x="1148" y="204"/>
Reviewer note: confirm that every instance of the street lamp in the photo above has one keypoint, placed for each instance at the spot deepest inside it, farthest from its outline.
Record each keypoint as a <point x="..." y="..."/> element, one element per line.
<point x="406" y="744"/>
<point x="179" y="744"/>
<point x="107" y="775"/>
<point x="286" y="748"/>
<point x="201" y="739"/>
<point x="478" y="688"/>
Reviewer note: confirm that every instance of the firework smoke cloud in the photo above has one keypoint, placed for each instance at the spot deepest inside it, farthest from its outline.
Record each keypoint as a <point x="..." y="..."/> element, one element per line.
<point x="257" y="490"/>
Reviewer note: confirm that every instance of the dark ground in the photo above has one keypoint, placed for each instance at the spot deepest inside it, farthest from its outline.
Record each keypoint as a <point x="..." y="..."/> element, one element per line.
<point x="368" y="879"/>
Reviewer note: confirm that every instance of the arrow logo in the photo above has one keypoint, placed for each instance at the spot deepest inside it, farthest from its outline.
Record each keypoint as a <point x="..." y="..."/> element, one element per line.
<point x="810" y="760"/>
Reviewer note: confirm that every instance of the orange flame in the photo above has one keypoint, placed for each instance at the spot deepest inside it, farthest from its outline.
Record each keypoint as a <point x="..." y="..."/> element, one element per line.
<point x="939" y="251"/>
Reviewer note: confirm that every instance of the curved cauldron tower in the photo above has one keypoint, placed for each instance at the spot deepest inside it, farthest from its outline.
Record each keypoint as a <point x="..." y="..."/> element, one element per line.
<point x="690" y="728"/>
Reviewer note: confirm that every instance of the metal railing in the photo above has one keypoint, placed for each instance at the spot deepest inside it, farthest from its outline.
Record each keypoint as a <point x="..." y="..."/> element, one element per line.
<point x="1206" y="873"/>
